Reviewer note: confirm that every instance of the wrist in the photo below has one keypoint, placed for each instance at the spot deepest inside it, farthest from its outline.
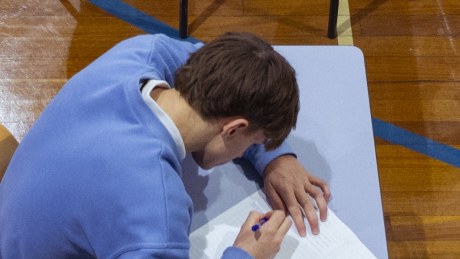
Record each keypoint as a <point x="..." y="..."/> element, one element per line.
<point x="280" y="159"/>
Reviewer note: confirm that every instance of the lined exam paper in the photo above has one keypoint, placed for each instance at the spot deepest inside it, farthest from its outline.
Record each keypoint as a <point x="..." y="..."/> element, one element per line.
<point x="336" y="240"/>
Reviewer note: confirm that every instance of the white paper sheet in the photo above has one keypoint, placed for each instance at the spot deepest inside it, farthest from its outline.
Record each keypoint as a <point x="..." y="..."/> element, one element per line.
<point x="336" y="240"/>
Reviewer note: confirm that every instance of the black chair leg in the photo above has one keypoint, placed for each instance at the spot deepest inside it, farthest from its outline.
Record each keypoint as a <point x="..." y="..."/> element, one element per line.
<point x="331" y="30"/>
<point x="183" y="19"/>
<point x="333" y="13"/>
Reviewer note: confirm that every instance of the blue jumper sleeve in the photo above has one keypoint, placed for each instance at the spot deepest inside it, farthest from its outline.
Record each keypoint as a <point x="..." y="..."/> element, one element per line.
<point x="236" y="253"/>
<point x="145" y="57"/>
<point x="260" y="158"/>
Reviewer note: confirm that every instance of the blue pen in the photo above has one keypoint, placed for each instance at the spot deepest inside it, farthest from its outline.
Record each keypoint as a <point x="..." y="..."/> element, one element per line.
<point x="256" y="227"/>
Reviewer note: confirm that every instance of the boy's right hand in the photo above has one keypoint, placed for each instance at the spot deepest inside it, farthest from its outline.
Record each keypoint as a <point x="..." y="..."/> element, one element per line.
<point x="265" y="242"/>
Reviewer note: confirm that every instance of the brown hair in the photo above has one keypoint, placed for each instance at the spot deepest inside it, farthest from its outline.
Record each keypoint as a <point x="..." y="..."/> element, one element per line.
<point x="239" y="74"/>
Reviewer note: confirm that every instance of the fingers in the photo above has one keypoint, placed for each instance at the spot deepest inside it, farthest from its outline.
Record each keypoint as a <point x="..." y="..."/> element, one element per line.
<point x="293" y="189"/>
<point x="297" y="217"/>
<point x="275" y="219"/>
<point x="291" y="206"/>
<point x="310" y="213"/>
<point x="287" y="223"/>
<point x="284" y="228"/>
<point x="253" y="218"/>
<point x="323" y="186"/>
<point x="319" y="197"/>
<point x="322" y="207"/>
<point x="296" y="212"/>
<point x="275" y="200"/>
<point x="266" y="240"/>
<point x="301" y="199"/>
<point x="278" y="224"/>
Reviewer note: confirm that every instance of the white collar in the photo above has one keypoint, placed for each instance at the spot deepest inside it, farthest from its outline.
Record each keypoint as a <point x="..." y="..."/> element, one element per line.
<point x="162" y="116"/>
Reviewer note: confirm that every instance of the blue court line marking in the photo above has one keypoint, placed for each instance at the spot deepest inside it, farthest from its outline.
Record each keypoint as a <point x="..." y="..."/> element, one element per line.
<point x="139" y="19"/>
<point x="383" y="130"/>
<point x="431" y="148"/>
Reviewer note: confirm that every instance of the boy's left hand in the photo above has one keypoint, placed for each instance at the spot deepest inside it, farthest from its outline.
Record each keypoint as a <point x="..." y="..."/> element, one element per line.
<point x="289" y="187"/>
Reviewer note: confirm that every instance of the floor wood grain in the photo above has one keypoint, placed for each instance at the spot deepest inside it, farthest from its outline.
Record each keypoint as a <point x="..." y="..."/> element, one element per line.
<point x="412" y="54"/>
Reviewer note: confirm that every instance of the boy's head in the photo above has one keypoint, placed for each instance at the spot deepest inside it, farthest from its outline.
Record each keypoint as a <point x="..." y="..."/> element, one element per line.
<point x="239" y="74"/>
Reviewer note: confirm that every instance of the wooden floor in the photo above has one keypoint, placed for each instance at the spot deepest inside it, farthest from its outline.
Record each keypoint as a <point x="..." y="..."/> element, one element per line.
<point x="412" y="53"/>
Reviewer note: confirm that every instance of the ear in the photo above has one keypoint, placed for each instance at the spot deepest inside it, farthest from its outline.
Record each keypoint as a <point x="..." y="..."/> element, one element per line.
<point x="234" y="126"/>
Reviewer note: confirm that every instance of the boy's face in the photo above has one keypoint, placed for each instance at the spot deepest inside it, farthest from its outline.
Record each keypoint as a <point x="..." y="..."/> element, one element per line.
<point x="222" y="149"/>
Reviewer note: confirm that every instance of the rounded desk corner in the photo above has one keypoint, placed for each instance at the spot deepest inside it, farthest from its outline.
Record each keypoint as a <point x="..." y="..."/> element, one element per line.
<point x="358" y="51"/>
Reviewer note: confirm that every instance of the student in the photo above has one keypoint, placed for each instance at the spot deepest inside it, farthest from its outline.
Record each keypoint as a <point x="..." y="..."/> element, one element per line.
<point x="99" y="173"/>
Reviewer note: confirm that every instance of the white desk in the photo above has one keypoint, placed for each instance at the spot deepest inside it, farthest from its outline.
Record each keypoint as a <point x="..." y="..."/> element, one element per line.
<point x="333" y="140"/>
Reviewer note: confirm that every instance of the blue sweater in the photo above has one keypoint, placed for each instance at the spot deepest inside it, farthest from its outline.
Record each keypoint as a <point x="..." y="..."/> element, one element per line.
<point x="98" y="175"/>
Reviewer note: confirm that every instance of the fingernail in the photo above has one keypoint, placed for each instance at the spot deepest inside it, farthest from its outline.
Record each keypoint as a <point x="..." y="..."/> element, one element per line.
<point x="316" y="231"/>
